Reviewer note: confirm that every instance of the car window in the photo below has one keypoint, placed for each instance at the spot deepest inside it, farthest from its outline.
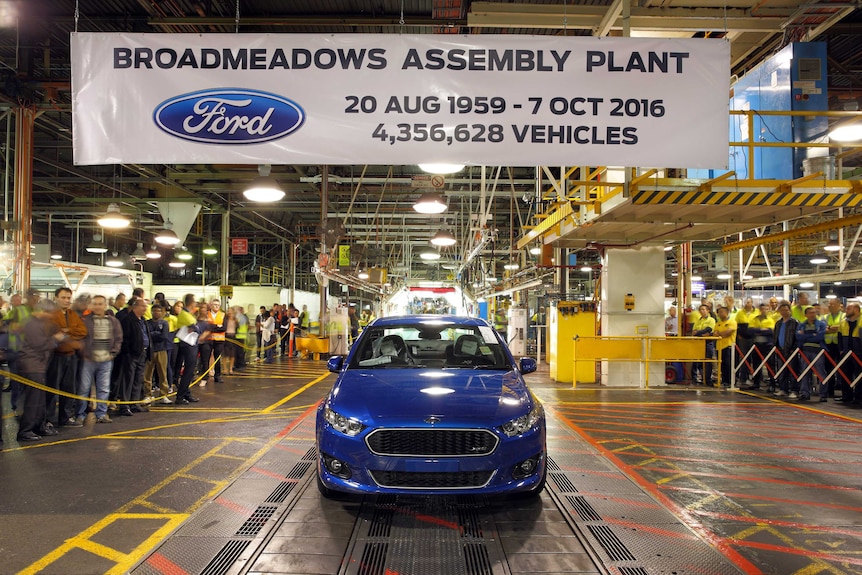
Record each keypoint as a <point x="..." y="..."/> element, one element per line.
<point x="440" y="346"/>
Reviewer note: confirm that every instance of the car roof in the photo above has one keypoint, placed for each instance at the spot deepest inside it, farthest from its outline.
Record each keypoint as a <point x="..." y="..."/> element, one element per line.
<point x="457" y="320"/>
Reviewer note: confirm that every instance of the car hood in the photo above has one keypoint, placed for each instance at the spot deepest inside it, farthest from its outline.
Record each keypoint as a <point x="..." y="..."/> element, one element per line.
<point x="407" y="396"/>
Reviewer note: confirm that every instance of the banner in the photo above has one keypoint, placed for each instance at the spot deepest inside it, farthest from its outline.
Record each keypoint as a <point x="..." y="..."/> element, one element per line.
<point x="393" y="99"/>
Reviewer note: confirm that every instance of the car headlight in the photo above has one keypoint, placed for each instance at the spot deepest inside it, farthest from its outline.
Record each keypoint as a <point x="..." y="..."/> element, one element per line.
<point x="524" y="423"/>
<point x="343" y="424"/>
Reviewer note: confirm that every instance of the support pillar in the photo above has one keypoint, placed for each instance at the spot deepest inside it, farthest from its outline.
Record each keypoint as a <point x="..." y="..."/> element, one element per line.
<point x="25" y="120"/>
<point x="225" y="250"/>
<point x="324" y="249"/>
<point x="639" y="273"/>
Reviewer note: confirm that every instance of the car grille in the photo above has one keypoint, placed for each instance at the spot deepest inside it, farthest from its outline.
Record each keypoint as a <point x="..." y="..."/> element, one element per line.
<point x="425" y="480"/>
<point x="432" y="442"/>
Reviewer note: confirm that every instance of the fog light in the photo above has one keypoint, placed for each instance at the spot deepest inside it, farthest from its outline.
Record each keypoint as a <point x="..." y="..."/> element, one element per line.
<point x="526" y="468"/>
<point x="336" y="467"/>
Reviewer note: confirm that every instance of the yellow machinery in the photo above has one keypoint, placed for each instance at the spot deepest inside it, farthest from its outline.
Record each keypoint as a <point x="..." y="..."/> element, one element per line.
<point x="566" y="320"/>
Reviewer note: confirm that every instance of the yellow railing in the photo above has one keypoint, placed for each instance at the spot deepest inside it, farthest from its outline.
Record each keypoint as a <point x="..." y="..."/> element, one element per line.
<point x="274" y="275"/>
<point x="641" y="349"/>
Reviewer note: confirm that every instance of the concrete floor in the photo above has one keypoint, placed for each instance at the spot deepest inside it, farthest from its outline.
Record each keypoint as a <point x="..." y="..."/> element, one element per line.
<point x="668" y="480"/>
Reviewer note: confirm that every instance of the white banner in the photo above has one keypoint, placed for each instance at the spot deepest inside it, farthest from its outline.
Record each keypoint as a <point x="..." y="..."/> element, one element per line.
<point x="381" y="99"/>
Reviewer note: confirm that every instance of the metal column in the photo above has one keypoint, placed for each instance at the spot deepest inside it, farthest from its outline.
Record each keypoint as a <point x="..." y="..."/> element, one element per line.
<point x="25" y="119"/>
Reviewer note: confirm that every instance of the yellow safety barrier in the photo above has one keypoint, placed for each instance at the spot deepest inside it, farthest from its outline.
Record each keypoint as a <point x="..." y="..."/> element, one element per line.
<point x="642" y="349"/>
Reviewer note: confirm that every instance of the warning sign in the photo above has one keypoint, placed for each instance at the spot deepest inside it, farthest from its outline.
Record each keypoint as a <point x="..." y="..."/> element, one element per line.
<point x="435" y="182"/>
<point x="239" y="246"/>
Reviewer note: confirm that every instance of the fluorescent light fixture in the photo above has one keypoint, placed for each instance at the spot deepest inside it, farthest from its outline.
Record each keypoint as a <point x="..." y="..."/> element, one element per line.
<point x="113" y="219"/>
<point x="696" y="278"/>
<point x="443" y="238"/>
<point x="511" y="267"/>
<point x="210" y="250"/>
<point x="535" y="250"/>
<point x="806" y="285"/>
<point x="167" y="236"/>
<point x="441" y="168"/>
<point x="818" y="259"/>
<point x="849" y="133"/>
<point x="154" y="254"/>
<point x="586" y="269"/>
<point x="724" y="276"/>
<point x="430" y="203"/>
<point x="836" y="283"/>
<point x="175" y="263"/>
<point x="114" y="261"/>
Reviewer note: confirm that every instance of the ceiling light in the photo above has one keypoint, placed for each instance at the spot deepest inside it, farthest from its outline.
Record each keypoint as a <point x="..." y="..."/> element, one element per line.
<point x="363" y="275"/>
<point x="56" y="255"/>
<point x="832" y="245"/>
<point x="167" y="236"/>
<point x="667" y="248"/>
<point x="836" y="283"/>
<point x="511" y="267"/>
<point x="586" y="269"/>
<point x="175" y="263"/>
<point x="806" y="284"/>
<point x="154" y="254"/>
<point x="114" y="261"/>
<point x="535" y="250"/>
<point x="696" y="278"/>
<point x="264" y="188"/>
<point x="441" y="168"/>
<point x="97" y="246"/>
<point x="429" y="255"/>
<point x="184" y="255"/>
<point x="113" y="218"/>
<point x="139" y="254"/>
<point x="818" y="259"/>
<point x="849" y="133"/>
<point x="831" y="295"/>
<point x="443" y="238"/>
<point x="210" y="250"/>
<point x="724" y="276"/>
<point x="430" y="203"/>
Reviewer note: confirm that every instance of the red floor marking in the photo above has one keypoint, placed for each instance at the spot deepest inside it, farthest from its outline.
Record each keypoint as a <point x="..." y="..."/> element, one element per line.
<point x="295" y="423"/>
<point x="165" y="565"/>
<point x="782" y="445"/>
<point x="720" y="543"/>
<point x="227" y="503"/>
<point x="779" y="523"/>
<point x="745" y="478"/>
<point x="739" y="463"/>
<point x="803" y="552"/>
<point x="794" y="457"/>
<point x="760" y="498"/>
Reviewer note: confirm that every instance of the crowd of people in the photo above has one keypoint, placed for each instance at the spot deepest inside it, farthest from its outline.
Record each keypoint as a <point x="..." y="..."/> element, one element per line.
<point x="792" y="349"/>
<point x="120" y="356"/>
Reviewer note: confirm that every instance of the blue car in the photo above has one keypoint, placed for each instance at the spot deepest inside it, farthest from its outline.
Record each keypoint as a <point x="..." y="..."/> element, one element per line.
<point x="432" y="405"/>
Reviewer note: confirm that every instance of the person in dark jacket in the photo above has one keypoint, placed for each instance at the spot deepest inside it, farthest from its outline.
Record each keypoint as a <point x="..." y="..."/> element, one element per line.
<point x="63" y="369"/>
<point x="40" y="337"/>
<point x="134" y="354"/>
<point x="159" y="339"/>
<point x="785" y="344"/>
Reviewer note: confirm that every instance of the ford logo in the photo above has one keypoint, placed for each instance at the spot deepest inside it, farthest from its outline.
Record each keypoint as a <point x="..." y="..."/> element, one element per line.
<point x="229" y="116"/>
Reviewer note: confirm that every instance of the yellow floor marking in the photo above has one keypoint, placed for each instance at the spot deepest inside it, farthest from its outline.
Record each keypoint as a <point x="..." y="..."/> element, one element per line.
<point x="295" y="393"/>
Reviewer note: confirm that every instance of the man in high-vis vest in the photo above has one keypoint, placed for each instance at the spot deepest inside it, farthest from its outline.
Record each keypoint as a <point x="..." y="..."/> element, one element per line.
<point x="218" y="321"/>
<point x="849" y="341"/>
<point x="833" y="321"/>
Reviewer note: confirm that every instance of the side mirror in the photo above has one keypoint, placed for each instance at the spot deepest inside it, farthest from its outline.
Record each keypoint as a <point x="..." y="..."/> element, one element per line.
<point x="335" y="363"/>
<point x="527" y="365"/>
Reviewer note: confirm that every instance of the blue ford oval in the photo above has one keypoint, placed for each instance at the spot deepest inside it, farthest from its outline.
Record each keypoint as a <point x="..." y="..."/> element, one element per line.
<point x="432" y="405"/>
<point x="229" y="116"/>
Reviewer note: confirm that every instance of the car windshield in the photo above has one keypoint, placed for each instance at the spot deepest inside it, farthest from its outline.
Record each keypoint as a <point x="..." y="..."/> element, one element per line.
<point x="433" y="345"/>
